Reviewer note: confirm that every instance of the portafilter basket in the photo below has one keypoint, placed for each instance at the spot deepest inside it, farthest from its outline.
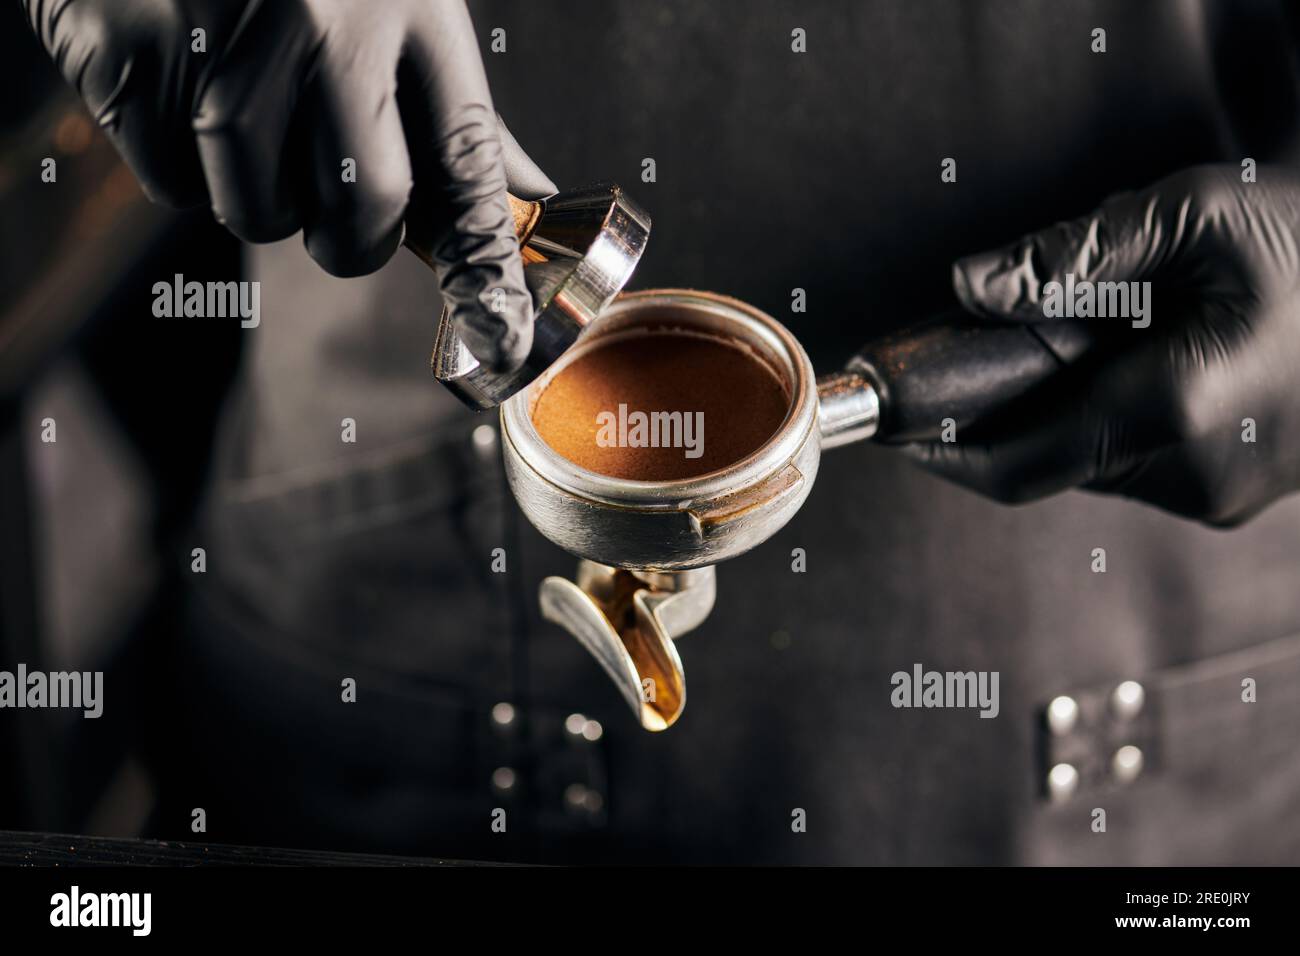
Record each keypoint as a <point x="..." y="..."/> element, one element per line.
<point x="671" y="525"/>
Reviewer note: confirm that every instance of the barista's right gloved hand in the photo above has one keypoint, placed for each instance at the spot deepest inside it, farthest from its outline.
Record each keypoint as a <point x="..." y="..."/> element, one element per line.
<point x="256" y="106"/>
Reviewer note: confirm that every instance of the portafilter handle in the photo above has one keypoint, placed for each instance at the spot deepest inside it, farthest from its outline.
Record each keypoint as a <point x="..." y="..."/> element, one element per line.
<point x="903" y="386"/>
<point x="579" y="250"/>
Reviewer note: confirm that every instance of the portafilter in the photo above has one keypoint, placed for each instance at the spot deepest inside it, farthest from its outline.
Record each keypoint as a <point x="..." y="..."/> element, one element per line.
<point x="647" y="549"/>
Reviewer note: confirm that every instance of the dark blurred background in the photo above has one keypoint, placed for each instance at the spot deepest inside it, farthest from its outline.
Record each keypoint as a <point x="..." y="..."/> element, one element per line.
<point x="81" y="585"/>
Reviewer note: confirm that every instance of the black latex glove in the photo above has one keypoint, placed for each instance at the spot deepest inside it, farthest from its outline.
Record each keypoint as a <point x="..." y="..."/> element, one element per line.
<point x="1161" y="417"/>
<point x="259" y="126"/>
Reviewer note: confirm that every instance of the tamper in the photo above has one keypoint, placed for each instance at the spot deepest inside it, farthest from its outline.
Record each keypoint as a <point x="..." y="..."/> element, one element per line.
<point x="579" y="249"/>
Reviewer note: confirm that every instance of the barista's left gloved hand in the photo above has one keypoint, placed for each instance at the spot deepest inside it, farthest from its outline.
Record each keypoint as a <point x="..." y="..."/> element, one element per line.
<point x="1163" y="418"/>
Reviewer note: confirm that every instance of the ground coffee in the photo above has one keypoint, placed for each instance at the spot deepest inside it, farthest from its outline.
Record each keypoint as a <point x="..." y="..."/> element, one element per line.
<point x="736" y="397"/>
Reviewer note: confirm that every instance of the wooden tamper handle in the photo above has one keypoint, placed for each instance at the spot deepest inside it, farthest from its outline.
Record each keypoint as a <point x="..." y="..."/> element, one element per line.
<point x="526" y="213"/>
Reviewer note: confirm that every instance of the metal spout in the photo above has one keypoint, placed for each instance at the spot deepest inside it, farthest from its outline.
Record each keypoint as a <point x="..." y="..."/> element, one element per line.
<point x="628" y="621"/>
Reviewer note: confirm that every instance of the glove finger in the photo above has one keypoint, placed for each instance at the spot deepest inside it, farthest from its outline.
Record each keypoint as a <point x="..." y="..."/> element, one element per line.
<point x="524" y="177"/>
<point x="243" y="120"/>
<point x="1128" y="238"/>
<point x="459" y="199"/>
<point x="360" y="171"/>
<point x="121" y="78"/>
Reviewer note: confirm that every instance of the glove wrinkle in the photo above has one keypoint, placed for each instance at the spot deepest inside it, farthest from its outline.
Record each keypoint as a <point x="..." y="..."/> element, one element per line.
<point x="216" y="63"/>
<point x="481" y="253"/>
<point x="108" y="117"/>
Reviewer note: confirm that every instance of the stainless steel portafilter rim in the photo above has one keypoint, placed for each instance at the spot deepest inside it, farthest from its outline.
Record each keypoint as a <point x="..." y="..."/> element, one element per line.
<point x="663" y="311"/>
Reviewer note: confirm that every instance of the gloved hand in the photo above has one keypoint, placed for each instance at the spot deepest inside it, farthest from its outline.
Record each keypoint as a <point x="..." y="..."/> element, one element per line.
<point x="1161" y="417"/>
<point x="259" y="125"/>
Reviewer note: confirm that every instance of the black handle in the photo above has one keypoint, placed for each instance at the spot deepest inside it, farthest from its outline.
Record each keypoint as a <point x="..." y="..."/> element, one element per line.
<point x="960" y="368"/>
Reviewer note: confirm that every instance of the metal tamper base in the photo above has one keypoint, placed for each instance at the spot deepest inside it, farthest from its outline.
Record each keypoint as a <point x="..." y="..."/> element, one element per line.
<point x="579" y="251"/>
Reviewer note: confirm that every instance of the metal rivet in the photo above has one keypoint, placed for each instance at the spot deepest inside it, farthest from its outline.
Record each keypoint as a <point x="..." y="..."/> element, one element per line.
<point x="1062" y="781"/>
<point x="1062" y="715"/>
<point x="1126" y="765"/>
<point x="1127" y="700"/>
<point x="593" y="731"/>
<point x="575" y="724"/>
<point x="503" y="714"/>
<point x="503" y="778"/>
<point x="484" y="438"/>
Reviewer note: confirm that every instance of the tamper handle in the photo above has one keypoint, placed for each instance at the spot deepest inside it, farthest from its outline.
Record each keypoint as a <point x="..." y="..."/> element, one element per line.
<point x="526" y="213"/>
